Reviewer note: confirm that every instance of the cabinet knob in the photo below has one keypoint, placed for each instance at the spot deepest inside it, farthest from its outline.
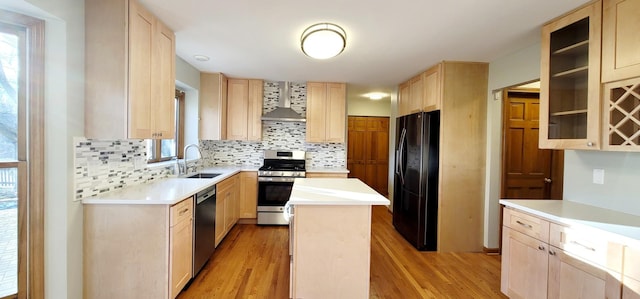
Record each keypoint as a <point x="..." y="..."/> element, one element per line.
<point x="547" y="180"/>
<point x="540" y="247"/>
<point x="590" y="144"/>
<point x="551" y="252"/>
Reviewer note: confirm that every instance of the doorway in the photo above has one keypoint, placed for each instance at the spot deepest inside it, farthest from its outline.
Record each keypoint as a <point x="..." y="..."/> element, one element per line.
<point x="528" y="172"/>
<point x="368" y="151"/>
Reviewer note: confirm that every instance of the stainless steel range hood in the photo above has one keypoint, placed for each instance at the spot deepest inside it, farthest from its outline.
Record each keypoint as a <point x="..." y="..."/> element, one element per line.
<point x="284" y="112"/>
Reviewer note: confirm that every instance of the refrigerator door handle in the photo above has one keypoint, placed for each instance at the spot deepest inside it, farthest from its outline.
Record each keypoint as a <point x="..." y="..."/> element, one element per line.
<point x="400" y="160"/>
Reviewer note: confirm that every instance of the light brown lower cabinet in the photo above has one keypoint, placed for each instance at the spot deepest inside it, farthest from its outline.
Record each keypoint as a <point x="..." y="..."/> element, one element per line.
<point x="541" y="259"/>
<point x="137" y="251"/>
<point x="248" y="194"/>
<point x="631" y="279"/>
<point x="227" y="206"/>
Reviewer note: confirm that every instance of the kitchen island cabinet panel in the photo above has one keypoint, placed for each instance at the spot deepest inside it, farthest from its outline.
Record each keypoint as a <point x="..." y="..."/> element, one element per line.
<point x="331" y="248"/>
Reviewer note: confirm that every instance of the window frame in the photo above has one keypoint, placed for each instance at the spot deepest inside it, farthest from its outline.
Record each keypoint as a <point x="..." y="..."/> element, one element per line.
<point x="30" y="159"/>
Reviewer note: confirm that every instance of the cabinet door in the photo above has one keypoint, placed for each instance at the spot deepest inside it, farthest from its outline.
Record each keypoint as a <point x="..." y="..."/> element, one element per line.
<point x="570" y="277"/>
<point x="248" y="194"/>
<point x="403" y="98"/>
<point x="254" y="113"/>
<point x="220" y="217"/>
<point x="336" y="117"/>
<point x="316" y="113"/>
<point x="432" y="89"/>
<point x="524" y="265"/>
<point x="164" y="71"/>
<point x="213" y="106"/>
<point x="631" y="288"/>
<point x="237" y="107"/>
<point x="229" y="209"/>
<point x="181" y="239"/>
<point x="416" y="96"/>
<point x="620" y="42"/>
<point x="141" y="47"/>
<point x="570" y="81"/>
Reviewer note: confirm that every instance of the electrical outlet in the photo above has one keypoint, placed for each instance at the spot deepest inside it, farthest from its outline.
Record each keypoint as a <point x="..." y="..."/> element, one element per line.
<point x="598" y="176"/>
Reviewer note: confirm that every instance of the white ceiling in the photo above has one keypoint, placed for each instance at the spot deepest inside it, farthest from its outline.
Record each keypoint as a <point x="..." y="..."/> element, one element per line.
<point x="387" y="41"/>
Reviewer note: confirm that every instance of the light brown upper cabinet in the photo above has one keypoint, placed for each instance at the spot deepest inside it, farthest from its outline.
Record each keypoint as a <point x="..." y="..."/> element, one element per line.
<point x="326" y="112"/>
<point x="404" y="95"/>
<point x="432" y="88"/>
<point x="422" y="92"/>
<point x="570" y="80"/>
<point x="244" y="109"/>
<point x="213" y="106"/>
<point x="130" y="72"/>
<point x="620" y="39"/>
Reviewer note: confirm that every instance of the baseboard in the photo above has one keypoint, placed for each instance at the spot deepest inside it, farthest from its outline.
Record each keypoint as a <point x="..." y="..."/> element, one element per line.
<point x="491" y="251"/>
<point x="247" y="221"/>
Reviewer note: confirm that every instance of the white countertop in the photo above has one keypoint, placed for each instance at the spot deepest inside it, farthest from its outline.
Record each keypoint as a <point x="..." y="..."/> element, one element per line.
<point x="334" y="191"/>
<point x="576" y="214"/>
<point x="327" y="170"/>
<point x="166" y="191"/>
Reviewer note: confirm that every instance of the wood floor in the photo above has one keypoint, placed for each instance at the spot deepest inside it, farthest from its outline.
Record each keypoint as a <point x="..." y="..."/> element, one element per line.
<point x="253" y="262"/>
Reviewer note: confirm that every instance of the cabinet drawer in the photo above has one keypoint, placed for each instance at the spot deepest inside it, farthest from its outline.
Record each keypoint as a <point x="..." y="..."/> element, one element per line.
<point x="181" y="211"/>
<point x="527" y="224"/>
<point x="585" y="246"/>
<point x="632" y="262"/>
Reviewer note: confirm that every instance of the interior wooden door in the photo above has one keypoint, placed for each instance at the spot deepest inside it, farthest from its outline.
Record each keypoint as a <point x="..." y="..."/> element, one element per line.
<point x="527" y="171"/>
<point x="368" y="151"/>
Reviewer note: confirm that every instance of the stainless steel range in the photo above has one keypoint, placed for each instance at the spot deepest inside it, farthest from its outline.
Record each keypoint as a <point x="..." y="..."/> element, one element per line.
<point x="275" y="180"/>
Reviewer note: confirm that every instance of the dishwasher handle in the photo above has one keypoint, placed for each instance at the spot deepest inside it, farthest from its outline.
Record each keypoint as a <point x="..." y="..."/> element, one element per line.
<point x="205" y="194"/>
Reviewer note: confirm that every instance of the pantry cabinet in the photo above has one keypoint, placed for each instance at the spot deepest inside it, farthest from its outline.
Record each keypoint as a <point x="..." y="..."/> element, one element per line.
<point x="130" y="72"/>
<point x="326" y="112"/>
<point x="620" y="42"/>
<point x="570" y="80"/>
<point x="244" y="109"/>
<point x="212" y="118"/>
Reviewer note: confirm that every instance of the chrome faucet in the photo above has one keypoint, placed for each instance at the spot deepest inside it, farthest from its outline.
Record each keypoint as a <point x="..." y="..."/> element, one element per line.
<point x="185" y="169"/>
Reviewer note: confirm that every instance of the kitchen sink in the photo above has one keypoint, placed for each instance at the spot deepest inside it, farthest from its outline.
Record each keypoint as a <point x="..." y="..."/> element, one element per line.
<point x="202" y="176"/>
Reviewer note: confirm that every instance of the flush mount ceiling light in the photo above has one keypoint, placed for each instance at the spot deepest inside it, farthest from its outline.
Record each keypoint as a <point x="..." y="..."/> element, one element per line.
<point x="201" y="57"/>
<point x="323" y="40"/>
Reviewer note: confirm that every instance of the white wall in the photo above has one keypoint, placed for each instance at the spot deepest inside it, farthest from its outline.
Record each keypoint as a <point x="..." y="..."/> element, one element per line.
<point x="188" y="80"/>
<point x="365" y="107"/>
<point x="622" y="173"/>
<point x="519" y="67"/>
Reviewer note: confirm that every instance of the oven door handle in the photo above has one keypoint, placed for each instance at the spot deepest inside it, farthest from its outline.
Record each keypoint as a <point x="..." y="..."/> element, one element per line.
<point x="276" y="179"/>
<point x="288" y="211"/>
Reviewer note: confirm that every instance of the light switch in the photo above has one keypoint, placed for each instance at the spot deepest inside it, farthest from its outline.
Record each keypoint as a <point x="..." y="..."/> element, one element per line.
<point x="598" y="176"/>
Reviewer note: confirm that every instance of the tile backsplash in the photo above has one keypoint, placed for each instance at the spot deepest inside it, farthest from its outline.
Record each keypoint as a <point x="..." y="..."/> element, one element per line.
<point x="106" y="165"/>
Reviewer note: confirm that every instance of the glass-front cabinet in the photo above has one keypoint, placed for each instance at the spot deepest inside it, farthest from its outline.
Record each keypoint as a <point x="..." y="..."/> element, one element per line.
<point x="570" y="80"/>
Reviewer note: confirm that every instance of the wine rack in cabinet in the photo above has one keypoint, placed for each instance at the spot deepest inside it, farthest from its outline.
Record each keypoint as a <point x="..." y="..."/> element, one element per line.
<point x="622" y="115"/>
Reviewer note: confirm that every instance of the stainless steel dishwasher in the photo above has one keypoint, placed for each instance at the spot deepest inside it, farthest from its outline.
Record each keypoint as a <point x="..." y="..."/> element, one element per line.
<point x="204" y="230"/>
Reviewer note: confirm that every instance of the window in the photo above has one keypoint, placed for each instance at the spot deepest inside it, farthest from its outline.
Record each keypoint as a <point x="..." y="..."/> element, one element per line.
<point x="21" y="166"/>
<point x="169" y="149"/>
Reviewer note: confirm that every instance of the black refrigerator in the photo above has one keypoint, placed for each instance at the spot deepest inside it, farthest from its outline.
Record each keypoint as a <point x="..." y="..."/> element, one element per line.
<point x="415" y="194"/>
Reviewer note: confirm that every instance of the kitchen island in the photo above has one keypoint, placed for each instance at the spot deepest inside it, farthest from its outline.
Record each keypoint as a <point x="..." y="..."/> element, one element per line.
<point x="330" y="237"/>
